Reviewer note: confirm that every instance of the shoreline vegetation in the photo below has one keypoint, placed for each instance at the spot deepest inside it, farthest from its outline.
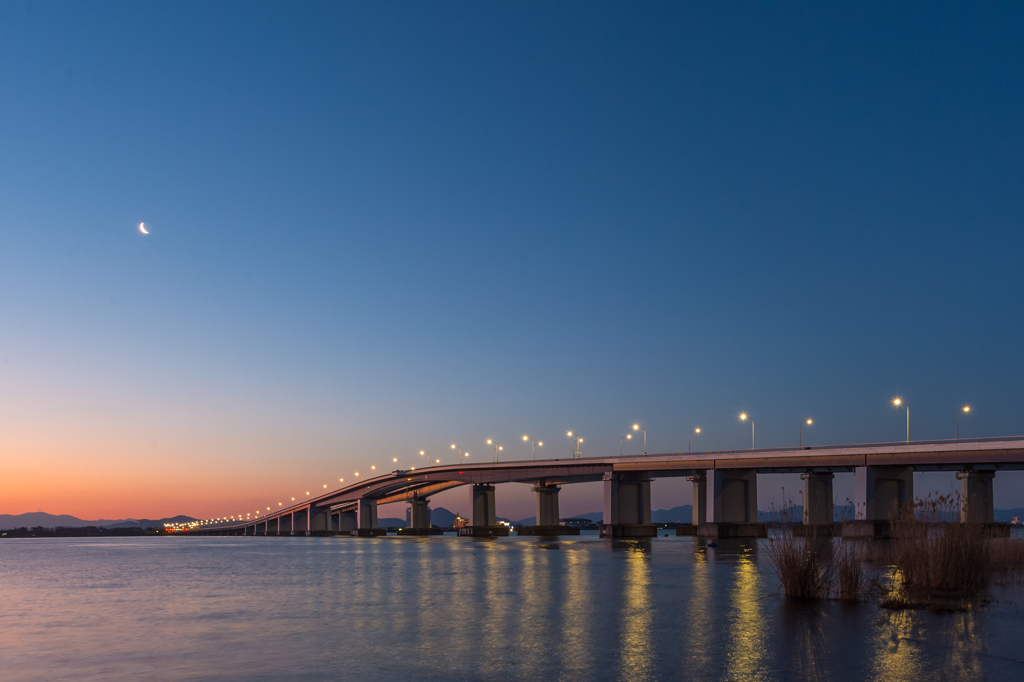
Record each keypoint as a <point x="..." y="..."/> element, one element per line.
<point x="933" y="561"/>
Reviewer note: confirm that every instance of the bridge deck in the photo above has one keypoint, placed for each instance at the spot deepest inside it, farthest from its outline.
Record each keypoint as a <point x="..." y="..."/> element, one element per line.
<point x="398" y="486"/>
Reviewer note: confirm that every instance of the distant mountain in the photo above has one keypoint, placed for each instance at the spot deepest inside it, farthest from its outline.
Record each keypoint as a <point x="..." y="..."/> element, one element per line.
<point x="795" y="514"/>
<point x="33" y="519"/>
<point x="683" y="514"/>
<point x="442" y="518"/>
<point x="596" y="517"/>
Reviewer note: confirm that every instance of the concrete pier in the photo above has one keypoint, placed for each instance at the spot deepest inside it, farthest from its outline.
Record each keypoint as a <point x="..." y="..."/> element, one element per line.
<point x="732" y="505"/>
<point x="420" y="513"/>
<point x="818" y="498"/>
<point x="366" y="519"/>
<point x="419" y="519"/>
<point x="880" y="495"/>
<point x="348" y="521"/>
<point x="547" y="514"/>
<point x="484" y="519"/>
<point x="881" y="492"/>
<point x="319" y="520"/>
<point x="700" y="497"/>
<point x="627" y="506"/>
<point x="976" y="503"/>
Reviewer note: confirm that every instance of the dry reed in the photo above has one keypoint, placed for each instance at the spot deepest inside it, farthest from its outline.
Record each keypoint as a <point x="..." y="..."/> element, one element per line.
<point x="938" y="561"/>
<point x="802" y="564"/>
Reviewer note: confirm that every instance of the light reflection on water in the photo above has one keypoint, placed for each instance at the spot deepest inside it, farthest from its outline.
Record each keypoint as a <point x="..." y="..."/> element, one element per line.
<point x="445" y="608"/>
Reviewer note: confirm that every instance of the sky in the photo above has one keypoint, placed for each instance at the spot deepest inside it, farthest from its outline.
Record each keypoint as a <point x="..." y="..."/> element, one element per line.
<point x="381" y="228"/>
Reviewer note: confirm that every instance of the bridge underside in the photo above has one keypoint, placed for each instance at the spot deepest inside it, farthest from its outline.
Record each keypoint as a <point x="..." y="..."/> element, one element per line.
<point x="724" y="483"/>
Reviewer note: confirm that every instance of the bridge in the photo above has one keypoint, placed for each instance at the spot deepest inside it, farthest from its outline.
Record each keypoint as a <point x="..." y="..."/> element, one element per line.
<point x="724" y="488"/>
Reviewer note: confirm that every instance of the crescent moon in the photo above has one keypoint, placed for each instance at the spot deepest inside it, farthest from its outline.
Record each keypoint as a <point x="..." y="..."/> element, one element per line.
<point x="142" y="228"/>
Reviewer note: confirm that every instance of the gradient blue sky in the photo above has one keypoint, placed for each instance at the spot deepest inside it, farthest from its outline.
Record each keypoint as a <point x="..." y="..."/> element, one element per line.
<point x="379" y="228"/>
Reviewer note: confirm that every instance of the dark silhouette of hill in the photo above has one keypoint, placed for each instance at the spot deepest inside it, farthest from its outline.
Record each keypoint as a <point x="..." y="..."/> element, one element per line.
<point x="34" y="519"/>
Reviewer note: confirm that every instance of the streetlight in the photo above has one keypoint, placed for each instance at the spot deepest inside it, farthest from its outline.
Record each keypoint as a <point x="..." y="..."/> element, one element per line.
<point x="808" y="422"/>
<point x="401" y="467"/>
<point x="456" y="447"/>
<point x="496" y="448"/>
<point x="635" y="427"/>
<point x="898" y="402"/>
<point x="628" y="436"/>
<point x="427" y="454"/>
<point x="576" y="453"/>
<point x="533" y="445"/>
<point x="692" y="431"/>
<point x="965" y="409"/>
<point x="743" y="418"/>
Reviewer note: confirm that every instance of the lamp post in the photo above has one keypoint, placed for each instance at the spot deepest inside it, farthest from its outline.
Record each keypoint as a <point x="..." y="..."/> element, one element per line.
<point x="965" y="409"/>
<point x="426" y="454"/>
<point x="808" y="422"/>
<point x="743" y="418"/>
<point x="692" y="431"/>
<point x="636" y="427"/>
<point x="628" y="436"/>
<point x="496" y="448"/>
<point x="577" y="453"/>
<point x="456" y="447"/>
<point x="533" y="445"/>
<point x="401" y="467"/>
<point x="898" y="402"/>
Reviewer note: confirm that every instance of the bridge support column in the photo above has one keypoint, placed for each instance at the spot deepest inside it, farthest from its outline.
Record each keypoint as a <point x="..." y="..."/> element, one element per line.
<point x="483" y="506"/>
<point x="732" y="505"/>
<point x="818" y="505"/>
<point x="700" y="504"/>
<point x="547" y="514"/>
<point x="700" y="498"/>
<point x="485" y="520"/>
<point x="880" y="494"/>
<point x="366" y="515"/>
<point x="627" y="506"/>
<point x="547" y="504"/>
<point x="319" y="520"/>
<point x="882" y="491"/>
<point x="419" y="519"/>
<point x="976" y="504"/>
<point x="348" y="521"/>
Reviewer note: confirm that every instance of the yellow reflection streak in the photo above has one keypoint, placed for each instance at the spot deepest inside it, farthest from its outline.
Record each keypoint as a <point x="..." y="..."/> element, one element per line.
<point x="496" y="615"/>
<point x="747" y="630"/>
<point x="532" y="621"/>
<point x="698" y="664"/>
<point x="577" y="617"/>
<point x="636" y="650"/>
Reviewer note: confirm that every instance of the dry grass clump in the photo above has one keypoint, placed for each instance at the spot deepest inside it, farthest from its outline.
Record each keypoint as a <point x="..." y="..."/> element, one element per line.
<point x="938" y="561"/>
<point x="1006" y="558"/>
<point x="803" y="565"/>
<point x="849" y="570"/>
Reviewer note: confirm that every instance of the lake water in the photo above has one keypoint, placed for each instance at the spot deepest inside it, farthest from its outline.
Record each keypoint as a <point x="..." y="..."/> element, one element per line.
<point x="447" y="608"/>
